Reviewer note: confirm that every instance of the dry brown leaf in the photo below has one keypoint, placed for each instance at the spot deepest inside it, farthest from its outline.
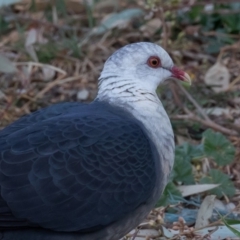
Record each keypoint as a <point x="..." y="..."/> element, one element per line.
<point x="31" y="37"/>
<point x="106" y="5"/>
<point x="151" y="27"/>
<point x="6" y="66"/>
<point x="48" y="73"/>
<point x="237" y="121"/>
<point x="218" y="76"/>
<point x="188" y="190"/>
<point x="2" y="95"/>
<point x="205" y="211"/>
<point x="34" y="35"/>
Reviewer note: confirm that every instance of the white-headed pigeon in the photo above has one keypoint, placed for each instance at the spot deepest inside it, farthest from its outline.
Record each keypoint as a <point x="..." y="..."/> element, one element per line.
<point x="76" y="171"/>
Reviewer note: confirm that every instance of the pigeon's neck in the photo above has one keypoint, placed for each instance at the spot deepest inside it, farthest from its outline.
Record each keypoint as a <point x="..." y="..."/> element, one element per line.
<point x="146" y="108"/>
<point x="123" y="89"/>
<point x="151" y="113"/>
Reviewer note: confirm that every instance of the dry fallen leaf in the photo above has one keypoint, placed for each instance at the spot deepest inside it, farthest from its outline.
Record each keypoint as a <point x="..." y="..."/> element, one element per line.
<point x="6" y="66"/>
<point x="219" y="232"/>
<point x="151" y="27"/>
<point x="48" y="73"/>
<point x="218" y="76"/>
<point x="106" y="6"/>
<point x="2" y="95"/>
<point x="34" y="35"/>
<point x="205" y="211"/>
<point x="188" y="190"/>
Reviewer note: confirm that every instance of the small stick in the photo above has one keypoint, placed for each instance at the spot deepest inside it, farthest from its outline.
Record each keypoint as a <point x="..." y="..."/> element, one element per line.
<point x="41" y="65"/>
<point x="193" y="101"/>
<point x="233" y="83"/>
<point x="207" y="123"/>
<point x="59" y="81"/>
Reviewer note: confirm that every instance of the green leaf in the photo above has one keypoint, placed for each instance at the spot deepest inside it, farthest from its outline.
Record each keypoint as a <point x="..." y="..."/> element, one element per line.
<point x="72" y="44"/>
<point x="61" y="7"/>
<point x="3" y="25"/>
<point x="195" y="13"/>
<point x="217" y="177"/>
<point x="232" y="221"/>
<point x="231" y="23"/>
<point x="228" y="224"/>
<point x="182" y="170"/>
<point x="218" y="147"/>
<point x="214" y="46"/>
<point x="171" y="195"/>
<point x="47" y="52"/>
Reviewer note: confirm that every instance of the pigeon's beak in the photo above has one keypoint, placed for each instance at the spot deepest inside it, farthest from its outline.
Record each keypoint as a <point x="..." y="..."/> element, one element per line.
<point x="180" y="75"/>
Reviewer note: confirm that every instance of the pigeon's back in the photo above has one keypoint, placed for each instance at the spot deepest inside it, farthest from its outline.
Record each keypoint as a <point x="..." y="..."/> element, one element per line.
<point x="74" y="168"/>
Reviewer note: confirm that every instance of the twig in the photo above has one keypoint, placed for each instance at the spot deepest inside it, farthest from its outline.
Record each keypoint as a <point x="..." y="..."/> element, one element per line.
<point x="209" y="123"/>
<point x="191" y="99"/>
<point x="41" y="65"/>
<point x="233" y="83"/>
<point x="206" y="121"/>
<point x="198" y="56"/>
<point x="208" y="235"/>
<point x="234" y="126"/>
<point x="175" y="94"/>
<point x="59" y="81"/>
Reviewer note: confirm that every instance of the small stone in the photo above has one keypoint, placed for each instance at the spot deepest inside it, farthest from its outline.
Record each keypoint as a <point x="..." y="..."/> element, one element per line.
<point x="83" y="94"/>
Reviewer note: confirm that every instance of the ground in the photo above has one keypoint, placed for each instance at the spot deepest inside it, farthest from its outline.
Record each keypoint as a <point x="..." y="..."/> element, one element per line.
<point x="53" y="51"/>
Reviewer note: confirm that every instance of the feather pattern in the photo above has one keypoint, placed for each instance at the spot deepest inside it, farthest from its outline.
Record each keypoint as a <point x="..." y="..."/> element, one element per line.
<point x="75" y="167"/>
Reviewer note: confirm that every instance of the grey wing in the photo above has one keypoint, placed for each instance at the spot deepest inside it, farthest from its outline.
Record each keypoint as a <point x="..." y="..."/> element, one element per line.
<point x="55" y="110"/>
<point x="75" y="172"/>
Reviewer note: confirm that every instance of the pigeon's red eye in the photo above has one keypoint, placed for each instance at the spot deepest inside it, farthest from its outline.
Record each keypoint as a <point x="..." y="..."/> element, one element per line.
<point x="154" y="62"/>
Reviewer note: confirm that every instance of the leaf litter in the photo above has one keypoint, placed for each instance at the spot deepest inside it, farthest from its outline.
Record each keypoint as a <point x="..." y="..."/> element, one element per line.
<point x="51" y="53"/>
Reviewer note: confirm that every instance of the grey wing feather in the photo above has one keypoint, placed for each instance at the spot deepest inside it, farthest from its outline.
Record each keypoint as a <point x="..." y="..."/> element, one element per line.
<point x="76" y="169"/>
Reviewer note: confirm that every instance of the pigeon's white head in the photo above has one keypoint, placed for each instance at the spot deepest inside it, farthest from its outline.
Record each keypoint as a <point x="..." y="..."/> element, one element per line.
<point x="137" y="69"/>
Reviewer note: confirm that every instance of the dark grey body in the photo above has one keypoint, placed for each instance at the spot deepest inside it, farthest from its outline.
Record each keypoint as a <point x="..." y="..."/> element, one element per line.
<point x="75" y="171"/>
